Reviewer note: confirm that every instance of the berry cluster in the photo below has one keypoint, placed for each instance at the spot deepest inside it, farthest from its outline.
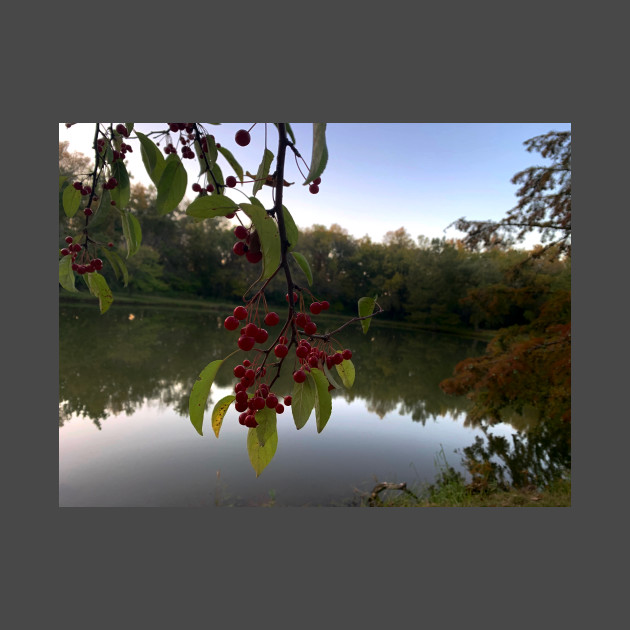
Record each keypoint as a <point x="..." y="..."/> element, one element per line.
<point x="248" y="244"/>
<point x="251" y="375"/>
<point x="85" y="263"/>
<point x="314" y="187"/>
<point x="187" y="135"/>
<point x="85" y="190"/>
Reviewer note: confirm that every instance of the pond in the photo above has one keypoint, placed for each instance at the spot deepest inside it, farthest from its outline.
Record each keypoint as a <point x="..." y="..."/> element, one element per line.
<point x="125" y="438"/>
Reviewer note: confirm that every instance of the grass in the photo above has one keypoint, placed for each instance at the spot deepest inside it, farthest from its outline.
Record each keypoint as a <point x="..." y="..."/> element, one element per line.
<point x="451" y="490"/>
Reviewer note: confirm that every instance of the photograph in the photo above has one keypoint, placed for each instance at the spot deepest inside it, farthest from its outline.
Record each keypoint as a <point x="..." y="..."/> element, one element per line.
<point x="355" y="315"/>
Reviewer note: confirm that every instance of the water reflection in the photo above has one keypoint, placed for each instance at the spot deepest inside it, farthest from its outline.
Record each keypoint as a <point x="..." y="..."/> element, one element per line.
<point x="112" y="364"/>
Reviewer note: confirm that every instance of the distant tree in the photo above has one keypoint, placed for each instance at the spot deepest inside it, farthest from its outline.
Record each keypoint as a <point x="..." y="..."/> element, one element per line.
<point x="528" y="364"/>
<point x="544" y="201"/>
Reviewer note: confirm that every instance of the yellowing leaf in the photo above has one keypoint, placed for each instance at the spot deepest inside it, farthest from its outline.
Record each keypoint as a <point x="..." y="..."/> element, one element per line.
<point x="219" y="411"/>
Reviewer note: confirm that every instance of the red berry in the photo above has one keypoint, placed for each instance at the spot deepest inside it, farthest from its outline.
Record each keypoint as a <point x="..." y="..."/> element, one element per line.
<point x="249" y="375"/>
<point x="299" y="376"/>
<point x="239" y="248"/>
<point x="246" y="343"/>
<point x="121" y="129"/>
<point x="242" y="138"/>
<point x="239" y="371"/>
<point x="247" y="363"/>
<point x="242" y="397"/>
<point x="272" y="401"/>
<point x="280" y="350"/>
<point x="279" y="409"/>
<point x="337" y="359"/>
<point x="310" y="328"/>
<point x="347" y="355"/>
<point x="315" y="308"/>
<point x="68" y="239"/>
<point x="230" y="180"/>
<point x="210" y="188"/>
<point x="240" y="232"/>
<point x="317" y="181"/>
<point x="288" y="400"/>
<point x="98" y="264"/>
<point x="231" y="323"/>
<point x="196" y="187"/>
<point x="259" y="402"/>
<point x="65" y="252"/>
<point x="295" y="297"/>
<point x="110" y="244"/>
<point x="313" y="189"/>
<point x="87" y="212"/>
<point x="253" y="257"/>
<point x="313" y="361"/>
<point x="77" y="185"/>
<point x="230" y="216"/>
<point x="325" y="305"/>
<point x="261" y="336"/>
<point x="271" y="319"/>
<point x="241" y="406"/>
<point x="301" y="352"/>
<point x="240" y="312"/>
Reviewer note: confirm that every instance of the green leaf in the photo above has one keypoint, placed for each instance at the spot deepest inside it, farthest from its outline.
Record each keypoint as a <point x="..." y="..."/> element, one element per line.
<point x="99" y="287"/>
<point x="290" y="228"/>
<point x="319" y="156"/>
<point x="200" y="392"/>
<point x="331" y="378"/>
<point x="323" y="399"/>
<point x="304" y="266"/>
<point x="131" y="232"/>
<point x="263" y="171"/>
<point x="209" y="206"/>
<point x="118" y="265"/>
<point x="260" y="455"/>
<point x="267" y="422"/>
<point x="257" y="202"/>
<point x="267" y="229"/>
<point x="219" y="412"/>
<point x="238" y="169"/>
<point x="62" y="179"/>
<point x="129" y="127"/>
<point x="71" y="199"/>
<point x="172" y="186"/>
<point x="151" y="157"/>
<point x="66" y="275"/>
<point x="366" y="307"/>
<point x="346" y="371"/>
<point x="210" y="156"/>
<point x="303" y="396"/>
<point x="122" y="193"/>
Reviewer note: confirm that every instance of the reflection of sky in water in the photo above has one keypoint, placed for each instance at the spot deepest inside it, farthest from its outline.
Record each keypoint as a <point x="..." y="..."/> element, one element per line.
<point x="154" y="457"/>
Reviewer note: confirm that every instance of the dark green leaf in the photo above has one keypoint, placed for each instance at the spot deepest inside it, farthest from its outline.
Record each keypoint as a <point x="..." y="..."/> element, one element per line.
<point x="200" y="392"/>
<point x="122" y="193"/>
<point x="238" y="169"/>
<point x="303" y="396"/>
<point x="71" y="200"/>
<point x="331" y="378"/>
<point x="319" y="156"/>
<point x="261" y="455"/>
<point x="99" y="287"/>
<point x="118" y="265"/>
<point x="209" y="206"/>
<point x="66" y="275"/>
<point x="62" y="179"/>
<point x="263" y="171"/>
<point x="131" y="232"/>
<point x="290" y="228"/>
<point x="151" y="157"/>
<point x="172" y="186"/>
<point x="129" y="127"/>
<point x="267" y="229"/>
<point x="323" y="400"/>
<point x="304" y="266"/>
<point x="219" y="412"/>
<point x="366" y="307"/>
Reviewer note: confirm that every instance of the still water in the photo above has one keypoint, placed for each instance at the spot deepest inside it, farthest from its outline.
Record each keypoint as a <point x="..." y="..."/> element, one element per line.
<point x="125" y="438"/>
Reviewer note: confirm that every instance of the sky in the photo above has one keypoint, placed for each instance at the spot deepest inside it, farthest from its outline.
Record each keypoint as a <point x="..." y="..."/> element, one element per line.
<point x="380" y="176"/>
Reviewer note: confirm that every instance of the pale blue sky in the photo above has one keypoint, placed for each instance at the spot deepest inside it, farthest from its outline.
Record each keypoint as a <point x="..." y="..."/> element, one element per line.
<point x="380" y="176"/>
